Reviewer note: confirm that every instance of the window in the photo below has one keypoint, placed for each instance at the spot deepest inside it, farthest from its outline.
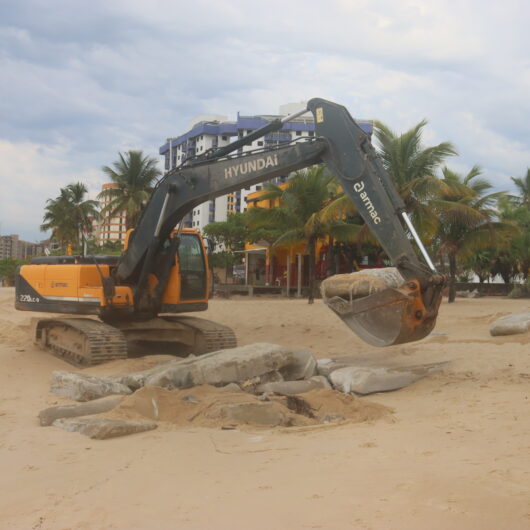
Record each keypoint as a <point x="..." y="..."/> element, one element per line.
<point x="260" y="142"/>
<point x="192" y="267"/>
<point x="224" y="138"/>
<point x="298" y="133"/>
<point x="311" y="133"/>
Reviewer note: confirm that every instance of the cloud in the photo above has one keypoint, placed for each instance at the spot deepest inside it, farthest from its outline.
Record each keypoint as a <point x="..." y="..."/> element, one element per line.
<point x="32" y="173"/>
<point x="82" y="81"/>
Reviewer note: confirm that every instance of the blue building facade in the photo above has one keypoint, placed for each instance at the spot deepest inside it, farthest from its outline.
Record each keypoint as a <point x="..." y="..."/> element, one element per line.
<point x="206" y="134"/>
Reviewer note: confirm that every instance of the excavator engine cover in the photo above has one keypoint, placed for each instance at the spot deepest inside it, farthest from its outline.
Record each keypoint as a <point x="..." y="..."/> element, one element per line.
<point x="393" y="315"/>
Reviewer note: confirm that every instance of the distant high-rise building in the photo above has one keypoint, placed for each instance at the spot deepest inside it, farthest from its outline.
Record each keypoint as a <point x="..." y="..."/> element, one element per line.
<point x="12" y="246"/>
<point x="9" y="246"/>
<point x="213" y="131"/>
<point x="109" y="229"/>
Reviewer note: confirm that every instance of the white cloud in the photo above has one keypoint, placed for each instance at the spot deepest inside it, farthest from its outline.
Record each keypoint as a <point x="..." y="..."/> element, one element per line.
<point x="30" y="174"/>
<point x="83" y="81"/>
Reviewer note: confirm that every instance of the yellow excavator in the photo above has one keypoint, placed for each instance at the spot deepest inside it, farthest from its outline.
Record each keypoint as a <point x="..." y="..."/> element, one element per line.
<point x="163" y="272"/>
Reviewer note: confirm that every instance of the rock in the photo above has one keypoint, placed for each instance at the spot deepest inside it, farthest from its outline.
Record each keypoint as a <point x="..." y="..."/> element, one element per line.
<point x="511" y="324"/>
<point x="360" y="284"/>
<point x="136" y="380"/>
<point x="48" y="416"/>
<point x="224" y="366"/>
<point x="250" y="385"/>
<point x="303" y="366"/>
<point x="231" y="387"/>
<point x="80" y="387"/>
<point x="331" y="418"/>
<point x="367" y="380"/>
<point x="287" y="388"/>
<point x="267" y="413"/>
<point x="189" y="399"/>
<point x="103" y="428"/>
<point x="326" y="366"/>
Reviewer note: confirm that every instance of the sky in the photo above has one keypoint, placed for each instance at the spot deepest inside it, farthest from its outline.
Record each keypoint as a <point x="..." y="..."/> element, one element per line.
<point x="82" y="81"/>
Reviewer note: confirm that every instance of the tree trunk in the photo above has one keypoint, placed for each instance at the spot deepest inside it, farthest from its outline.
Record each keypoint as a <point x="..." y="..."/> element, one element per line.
<point x="452" y="278"/>
<point x="330" y="262"/>
<point x="311" y="271"/>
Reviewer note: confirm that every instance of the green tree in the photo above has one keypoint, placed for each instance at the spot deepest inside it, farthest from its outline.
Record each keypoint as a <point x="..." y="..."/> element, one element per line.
<point x="69" y="215"/>
<point x="300" y="214"/>
<point x="468" y="220"/>
<point x="135" y="175"/>
<point x="481" y="263"/>
<point x="229" y="236"/>
<point x="108" y="247"/>
<point x="519" y="250"/>
<point x="523" y="187"/>
<point x="8" y="267"/>
<point x="413" y="169"/>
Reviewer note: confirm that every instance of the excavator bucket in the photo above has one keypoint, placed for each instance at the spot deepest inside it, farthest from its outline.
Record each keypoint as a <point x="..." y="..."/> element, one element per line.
<point x="389" y="315"/>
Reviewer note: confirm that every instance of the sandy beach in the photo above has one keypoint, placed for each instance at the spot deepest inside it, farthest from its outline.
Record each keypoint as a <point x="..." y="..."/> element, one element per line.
<point x="455" y="452"/>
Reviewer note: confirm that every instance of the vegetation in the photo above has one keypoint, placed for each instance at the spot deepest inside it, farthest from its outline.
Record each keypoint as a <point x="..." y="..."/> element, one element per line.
<point x="464" y="223"/>
<point x="300" y="216"/>
<point x="228" y="237"/>
<point x="413" y="168"/>
<point x="69" y="215"/>
<point x="523" y="187"/>
<point x="108" y="247"/>
<point x="8" y="267"/>
<point x="135" y="176"/>
<point x="466" y="219"/>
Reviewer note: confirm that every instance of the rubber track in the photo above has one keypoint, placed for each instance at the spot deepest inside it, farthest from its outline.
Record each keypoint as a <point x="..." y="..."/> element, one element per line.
<point x="216" y="336"/>
<point x="103" y="343"/>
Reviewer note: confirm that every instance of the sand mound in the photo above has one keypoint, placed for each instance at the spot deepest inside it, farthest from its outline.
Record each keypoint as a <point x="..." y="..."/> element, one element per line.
<point x="359" y="284"/>
<point x="208" y="406"/>
<point x="325" y="403"/>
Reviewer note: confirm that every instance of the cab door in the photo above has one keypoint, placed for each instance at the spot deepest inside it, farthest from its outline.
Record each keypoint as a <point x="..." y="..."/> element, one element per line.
<point x="192" y="265"/>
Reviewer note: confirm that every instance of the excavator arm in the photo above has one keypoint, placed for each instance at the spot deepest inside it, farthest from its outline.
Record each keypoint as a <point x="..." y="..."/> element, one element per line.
<point x="388" y="317"/>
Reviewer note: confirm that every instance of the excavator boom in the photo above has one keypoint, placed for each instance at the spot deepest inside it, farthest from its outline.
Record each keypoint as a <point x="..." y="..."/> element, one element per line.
<point x="389" y="317"/>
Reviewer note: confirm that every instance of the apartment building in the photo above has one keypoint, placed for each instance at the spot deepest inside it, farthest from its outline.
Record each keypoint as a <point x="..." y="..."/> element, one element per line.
<point x="212" y="131"/>
<point x="13" y="247"/>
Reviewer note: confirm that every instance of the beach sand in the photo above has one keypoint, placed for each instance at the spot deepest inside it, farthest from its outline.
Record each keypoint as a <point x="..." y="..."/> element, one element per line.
<point x="455" y="453"/>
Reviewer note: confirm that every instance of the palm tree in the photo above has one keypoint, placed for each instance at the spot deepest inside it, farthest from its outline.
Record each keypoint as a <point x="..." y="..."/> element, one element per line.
<point x="467" y="219"/>
<point x="68" y="215"/>
<point x="134" y="175"/>
<point x="413" y="169"/>
<point x="523" y="186"/>
<point x="519" y="251"/>
<point x="57" y="220"/>
<point x="81" y="210"/>
<point x="299" y="215"/>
